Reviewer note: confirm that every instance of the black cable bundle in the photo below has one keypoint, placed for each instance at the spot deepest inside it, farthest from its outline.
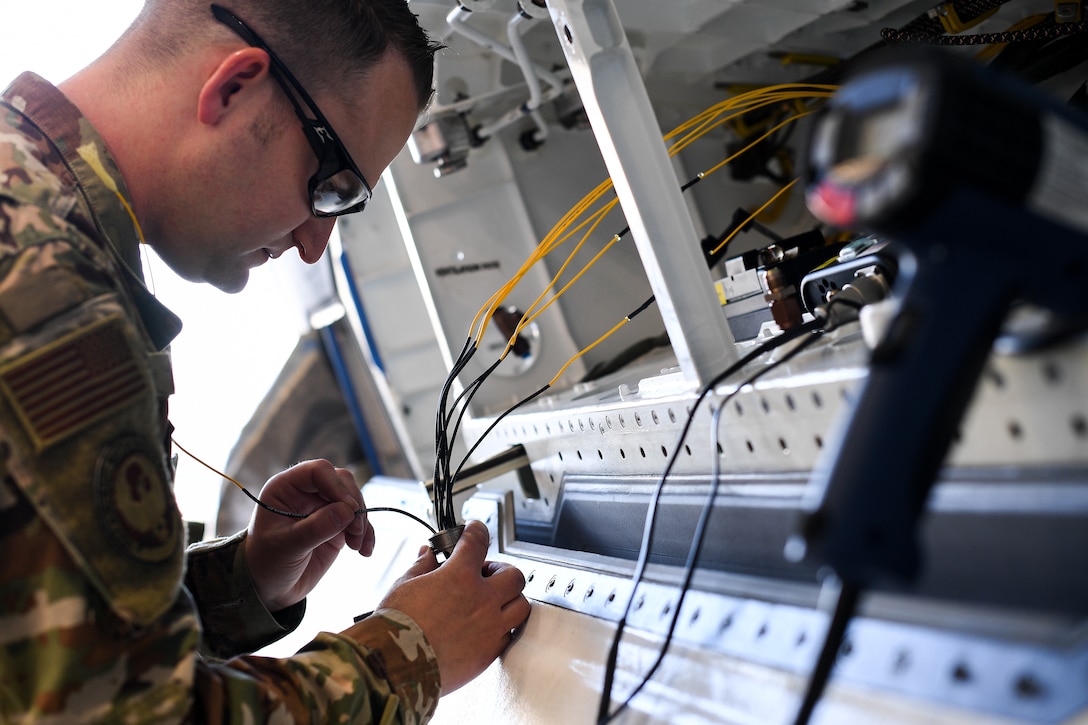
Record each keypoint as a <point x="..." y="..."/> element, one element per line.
<point x="445" y="475"/>
<point x="442" y="495"/>
<point x="812" y="329"/>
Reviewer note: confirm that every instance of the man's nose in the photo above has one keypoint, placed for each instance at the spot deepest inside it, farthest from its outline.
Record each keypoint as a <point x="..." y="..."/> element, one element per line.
<point x="313" y="237"/>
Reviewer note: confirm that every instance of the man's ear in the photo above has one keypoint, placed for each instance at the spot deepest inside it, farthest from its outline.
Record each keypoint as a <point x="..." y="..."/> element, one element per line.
<point x="241" y="70"/>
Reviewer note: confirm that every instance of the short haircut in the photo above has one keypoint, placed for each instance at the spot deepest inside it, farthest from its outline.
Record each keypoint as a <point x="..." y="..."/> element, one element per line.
<point x="325" y="43"/>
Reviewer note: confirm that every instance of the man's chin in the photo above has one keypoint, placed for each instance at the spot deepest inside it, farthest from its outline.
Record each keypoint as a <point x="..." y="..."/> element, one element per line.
<point x="229" y="278"/>
<point x="231" y="285"/>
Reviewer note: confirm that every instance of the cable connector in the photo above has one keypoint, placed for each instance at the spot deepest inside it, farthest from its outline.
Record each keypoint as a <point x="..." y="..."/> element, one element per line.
<point x="843" y="305"/>
<point x="444" y="541"/>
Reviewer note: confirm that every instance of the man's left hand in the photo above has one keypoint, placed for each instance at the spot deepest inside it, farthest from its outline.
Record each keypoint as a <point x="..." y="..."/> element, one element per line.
<point x="288" y="556"/>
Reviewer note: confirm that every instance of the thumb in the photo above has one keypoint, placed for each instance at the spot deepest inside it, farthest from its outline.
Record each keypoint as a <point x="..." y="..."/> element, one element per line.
<point x="427" y="562"/>
<point x="472" y="546"/>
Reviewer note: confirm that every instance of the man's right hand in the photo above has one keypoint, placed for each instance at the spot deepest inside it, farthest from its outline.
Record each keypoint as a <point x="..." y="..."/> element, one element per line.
<point x="468" y="608"/>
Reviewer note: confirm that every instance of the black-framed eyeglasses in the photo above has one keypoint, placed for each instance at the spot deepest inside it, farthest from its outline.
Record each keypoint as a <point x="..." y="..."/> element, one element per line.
<point x="338" y="187"/>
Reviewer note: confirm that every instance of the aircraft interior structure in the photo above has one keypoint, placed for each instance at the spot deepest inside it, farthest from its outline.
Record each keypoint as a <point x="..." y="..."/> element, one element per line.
<point x="756" y="333"/>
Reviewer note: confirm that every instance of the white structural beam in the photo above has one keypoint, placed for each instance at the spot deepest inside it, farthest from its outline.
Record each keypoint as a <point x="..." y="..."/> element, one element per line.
<point x="623" y="121"/>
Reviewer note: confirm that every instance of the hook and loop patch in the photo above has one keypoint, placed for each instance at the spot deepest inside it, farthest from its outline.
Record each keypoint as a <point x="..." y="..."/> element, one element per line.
<point x="134" y="500"/>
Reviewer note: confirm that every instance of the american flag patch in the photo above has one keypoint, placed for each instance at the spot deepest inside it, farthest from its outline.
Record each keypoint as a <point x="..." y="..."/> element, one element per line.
<point x="74" y="381"/>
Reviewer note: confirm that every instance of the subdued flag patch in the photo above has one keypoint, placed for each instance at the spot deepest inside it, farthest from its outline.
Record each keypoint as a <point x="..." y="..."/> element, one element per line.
<point x="74" y="381"/>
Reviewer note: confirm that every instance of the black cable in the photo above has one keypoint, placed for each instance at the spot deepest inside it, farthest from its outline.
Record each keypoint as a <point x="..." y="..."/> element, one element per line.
<point x="623" y="358"/>
<point x="273" y="509"/>
<point x="641" y="308"/>
<point x="699" y="534"/>
<point x="651" y="514"/>
<point x="818" y="326"/>
<point x="448" y="479"/>
<point x="441" y="494"/>
<point x="465" y="398"/>
<point x="402" y="512"/>
<point x="845" y="607"/>
<point x="376" y="509"/>
<point x="693" y="555"/>
<point x="491" y="427"/>
<point x="444" y="479"/>
<point x="630" y="353"/>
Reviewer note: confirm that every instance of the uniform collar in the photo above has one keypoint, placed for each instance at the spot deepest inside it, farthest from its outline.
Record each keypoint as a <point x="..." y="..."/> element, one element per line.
<point x="86" y="156"/>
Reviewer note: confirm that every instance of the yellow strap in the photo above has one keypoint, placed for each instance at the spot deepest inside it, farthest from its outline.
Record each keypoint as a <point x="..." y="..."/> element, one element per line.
<point x="89" y="153"/>
<point x="389" y="715"/>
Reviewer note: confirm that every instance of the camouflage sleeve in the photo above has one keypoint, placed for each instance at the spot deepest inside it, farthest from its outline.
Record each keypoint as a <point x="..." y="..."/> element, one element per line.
<point x="103" y="669"/>
<point x="234" y="618"/>
<point x="385" y="672"/>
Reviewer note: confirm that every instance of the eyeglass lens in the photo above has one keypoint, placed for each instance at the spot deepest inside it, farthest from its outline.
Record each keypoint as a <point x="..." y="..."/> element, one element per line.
<point x="339" y="192"/>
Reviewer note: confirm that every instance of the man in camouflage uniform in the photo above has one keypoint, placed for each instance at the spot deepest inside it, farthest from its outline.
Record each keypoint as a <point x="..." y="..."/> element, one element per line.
<point x="183" y="135"/>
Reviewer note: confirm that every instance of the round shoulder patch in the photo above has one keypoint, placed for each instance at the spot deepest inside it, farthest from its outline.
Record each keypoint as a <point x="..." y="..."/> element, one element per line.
<point x="134" y="500"/>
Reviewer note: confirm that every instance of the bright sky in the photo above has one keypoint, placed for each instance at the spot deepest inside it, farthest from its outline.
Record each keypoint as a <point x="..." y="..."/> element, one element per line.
<point x="233" y="346"/>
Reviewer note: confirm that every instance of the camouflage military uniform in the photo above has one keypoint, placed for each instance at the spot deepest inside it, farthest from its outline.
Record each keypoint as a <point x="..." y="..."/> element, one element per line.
<point x="95" y="622"/>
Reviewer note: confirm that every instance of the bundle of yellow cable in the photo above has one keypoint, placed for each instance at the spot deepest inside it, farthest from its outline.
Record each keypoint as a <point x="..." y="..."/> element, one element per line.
<point x="681" y="137"/>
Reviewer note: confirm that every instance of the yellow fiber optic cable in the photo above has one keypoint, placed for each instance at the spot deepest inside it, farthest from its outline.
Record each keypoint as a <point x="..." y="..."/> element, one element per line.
<point x="532" y="313"/>
<point x="585" y="268"/>
<point x="496" y="299"/>
<point x="592" y="345"/>
<point x="752" y="216"/>
<point x="546" y="246"/>
<point x="685" y="134"/>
